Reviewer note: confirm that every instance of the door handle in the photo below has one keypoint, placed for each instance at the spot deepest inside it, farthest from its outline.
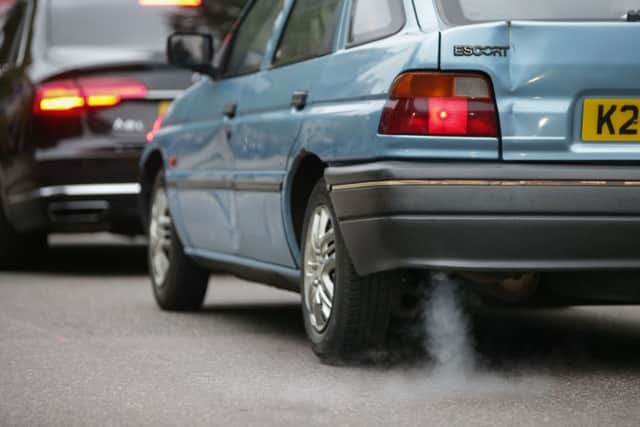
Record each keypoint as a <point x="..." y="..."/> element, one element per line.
<point x="230" y="110"/>
<point x="299" y="99"/>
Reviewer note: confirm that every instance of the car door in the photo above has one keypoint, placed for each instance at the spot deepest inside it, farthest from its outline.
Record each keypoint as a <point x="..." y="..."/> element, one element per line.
<point x="202" y="177"/>
<point x="273" y="108"/>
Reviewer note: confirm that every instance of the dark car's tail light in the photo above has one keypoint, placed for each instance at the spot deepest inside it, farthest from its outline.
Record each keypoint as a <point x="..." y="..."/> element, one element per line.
<point x="178" y="3"/>
<point x="72" y="96"/>
<point x="57" y="97"/>
<point x="440" y="104"/>
<point x="109" y="92"/>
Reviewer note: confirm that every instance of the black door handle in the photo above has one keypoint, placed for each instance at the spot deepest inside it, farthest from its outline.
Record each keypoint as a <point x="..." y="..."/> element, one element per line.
<point x="230" y="110"/>
<point x="299" y="100"/>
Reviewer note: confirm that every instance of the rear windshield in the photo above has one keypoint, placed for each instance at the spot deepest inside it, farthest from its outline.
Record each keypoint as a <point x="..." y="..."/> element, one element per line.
<point x="127" y="23"/>
<point x="469" y="11"/>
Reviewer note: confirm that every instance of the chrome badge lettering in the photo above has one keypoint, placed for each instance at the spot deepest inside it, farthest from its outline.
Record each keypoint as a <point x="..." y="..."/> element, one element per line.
<point x="128" y="125"/>
<point x="481" y="51"/>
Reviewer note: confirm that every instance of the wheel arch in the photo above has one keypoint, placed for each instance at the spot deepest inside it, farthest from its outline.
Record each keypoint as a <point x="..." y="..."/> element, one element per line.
<point x="151" y="166"/>
<point x="307" y="169"/>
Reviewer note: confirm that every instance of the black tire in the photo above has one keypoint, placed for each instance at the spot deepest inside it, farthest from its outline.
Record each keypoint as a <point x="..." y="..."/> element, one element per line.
<point x="359" y="321"/>
<point x="20" y="250"/>
<point x="184" y="286"/>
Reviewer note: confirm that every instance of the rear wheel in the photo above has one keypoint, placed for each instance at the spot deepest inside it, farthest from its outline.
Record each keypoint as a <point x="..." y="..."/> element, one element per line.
<point x="346" y="316"/>
<point x="178" y="283"/>
<point x="19" y="249"/>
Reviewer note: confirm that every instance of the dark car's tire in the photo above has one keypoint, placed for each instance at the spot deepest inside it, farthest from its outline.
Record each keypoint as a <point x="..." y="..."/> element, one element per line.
<point x="8" y="242"/>
<point x="179" y="284"/>
<point x="355" y="326"/>
<point x="19" y="250"/>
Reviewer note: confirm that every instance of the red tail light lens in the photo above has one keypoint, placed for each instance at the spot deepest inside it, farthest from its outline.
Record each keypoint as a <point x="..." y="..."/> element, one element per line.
<point x="440" y="104"/>
<point x="59" y="97"/>
<point x="175" y="3"/>
<point x="75" y="96"/>
<point x="106" y="92"/>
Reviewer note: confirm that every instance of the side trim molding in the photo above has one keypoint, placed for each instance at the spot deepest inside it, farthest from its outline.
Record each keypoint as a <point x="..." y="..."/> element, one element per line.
<point x="483" y="183"/>
<point x="227" y="184"/>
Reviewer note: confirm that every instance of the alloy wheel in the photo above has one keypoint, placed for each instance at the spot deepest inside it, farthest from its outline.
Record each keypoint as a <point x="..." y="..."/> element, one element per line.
<point x="160" y="237"/>
<point x="320" y="268"/>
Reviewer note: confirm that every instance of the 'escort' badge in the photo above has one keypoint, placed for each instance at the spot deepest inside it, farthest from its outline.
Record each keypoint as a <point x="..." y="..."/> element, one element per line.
<point x="481" y="50"/>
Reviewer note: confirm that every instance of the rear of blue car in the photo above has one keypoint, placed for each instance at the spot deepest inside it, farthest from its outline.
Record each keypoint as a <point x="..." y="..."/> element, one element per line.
<point x="545" y="99"/>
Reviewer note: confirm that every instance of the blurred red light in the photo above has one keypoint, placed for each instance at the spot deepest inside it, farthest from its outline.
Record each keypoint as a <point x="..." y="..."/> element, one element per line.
<point x="175" y="3"/>
<point x="109" y="92"/>
<point x="62" y="96"/>
<point x="73" y="96"/>
<point x="156" y="128"/>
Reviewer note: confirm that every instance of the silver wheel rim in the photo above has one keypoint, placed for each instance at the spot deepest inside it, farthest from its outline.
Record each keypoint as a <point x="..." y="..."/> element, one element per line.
<point x="320" y="268"/>
<point x="160" y="237"/>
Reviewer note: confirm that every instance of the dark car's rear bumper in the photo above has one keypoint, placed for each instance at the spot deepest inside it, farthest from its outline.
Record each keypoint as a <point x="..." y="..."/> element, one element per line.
<point x="79" y="193"/>
<point x="488" y="216"/>
<point x="80" y="208"/>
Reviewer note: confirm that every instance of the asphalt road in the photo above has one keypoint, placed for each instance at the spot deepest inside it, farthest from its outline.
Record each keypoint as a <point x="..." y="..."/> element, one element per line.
<point x="82" y="343"/>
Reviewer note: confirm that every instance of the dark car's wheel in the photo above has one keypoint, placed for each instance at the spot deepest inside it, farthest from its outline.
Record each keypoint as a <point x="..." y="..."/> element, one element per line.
<point x="19" y="250"/>
<point x="178" y="283"/>
<point x="346" y="316"/>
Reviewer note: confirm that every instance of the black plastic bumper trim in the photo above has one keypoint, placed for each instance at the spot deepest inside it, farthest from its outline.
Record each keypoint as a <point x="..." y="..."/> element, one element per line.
<point x="562" y="217"/>
<point x="406" y="170"/>
<point x="493" y="243"/>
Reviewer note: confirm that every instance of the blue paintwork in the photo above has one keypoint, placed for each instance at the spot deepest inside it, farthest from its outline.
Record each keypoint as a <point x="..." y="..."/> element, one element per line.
<point x="539" y="87"/>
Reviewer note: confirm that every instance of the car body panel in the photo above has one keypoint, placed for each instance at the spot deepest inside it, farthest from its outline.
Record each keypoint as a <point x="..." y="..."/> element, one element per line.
<point x="348" y="101"/>
<point x="205" y="159"/>
<point x="540" y="85"/>
<point x="264" y="134"/>
<point x="427" y="16"/>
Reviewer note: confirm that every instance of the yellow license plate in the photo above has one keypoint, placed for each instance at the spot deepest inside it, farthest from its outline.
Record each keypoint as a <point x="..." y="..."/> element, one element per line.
<point x="611" y="120"/>
<point x="163" y="107"/>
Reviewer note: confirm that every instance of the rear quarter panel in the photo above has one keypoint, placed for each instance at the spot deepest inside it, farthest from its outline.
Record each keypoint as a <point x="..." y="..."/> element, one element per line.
<point x="540" y="86"/>
<point x="341" y="123"/>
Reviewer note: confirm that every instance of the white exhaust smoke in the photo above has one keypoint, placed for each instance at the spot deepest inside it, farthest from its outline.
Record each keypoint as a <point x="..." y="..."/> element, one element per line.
<point x="447" y="336"/>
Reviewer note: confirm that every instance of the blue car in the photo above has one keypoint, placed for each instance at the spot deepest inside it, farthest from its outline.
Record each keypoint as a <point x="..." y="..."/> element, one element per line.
<point x="337" y="145"/>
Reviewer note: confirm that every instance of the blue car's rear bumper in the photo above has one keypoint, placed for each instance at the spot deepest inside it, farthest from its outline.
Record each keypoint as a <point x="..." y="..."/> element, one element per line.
<point x="488" y="216"/>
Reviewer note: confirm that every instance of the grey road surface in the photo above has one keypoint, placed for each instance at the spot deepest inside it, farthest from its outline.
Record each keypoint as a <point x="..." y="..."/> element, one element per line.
<point x="82" y="344"/>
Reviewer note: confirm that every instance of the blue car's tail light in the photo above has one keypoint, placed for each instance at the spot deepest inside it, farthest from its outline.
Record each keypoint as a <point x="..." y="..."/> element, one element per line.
<point x="440" y="104"/>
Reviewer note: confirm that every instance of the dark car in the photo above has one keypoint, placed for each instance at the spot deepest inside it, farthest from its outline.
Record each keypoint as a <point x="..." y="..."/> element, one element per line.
<point x="81" y="84"/>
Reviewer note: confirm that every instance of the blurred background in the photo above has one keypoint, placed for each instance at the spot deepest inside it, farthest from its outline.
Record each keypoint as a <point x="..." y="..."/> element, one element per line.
<point x="83" y="84"/>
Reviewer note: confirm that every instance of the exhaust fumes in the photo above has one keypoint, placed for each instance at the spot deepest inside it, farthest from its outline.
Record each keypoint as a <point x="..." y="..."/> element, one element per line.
<point x="447" y="336"/>
<point x="430" y="327"/>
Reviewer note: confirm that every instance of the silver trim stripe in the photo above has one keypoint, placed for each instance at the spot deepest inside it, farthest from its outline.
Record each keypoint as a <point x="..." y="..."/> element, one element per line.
<point x="81" y="190"/>
<point x="483" y="183"/>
